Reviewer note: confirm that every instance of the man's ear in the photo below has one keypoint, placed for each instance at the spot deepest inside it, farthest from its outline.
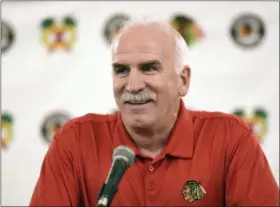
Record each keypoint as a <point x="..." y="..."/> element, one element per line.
<point x="185" y="76"/>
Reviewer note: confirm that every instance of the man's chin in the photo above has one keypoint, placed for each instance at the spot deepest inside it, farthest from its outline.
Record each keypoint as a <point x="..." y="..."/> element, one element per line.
<point x="139" y="120"/>
<point x="140" y="125"/>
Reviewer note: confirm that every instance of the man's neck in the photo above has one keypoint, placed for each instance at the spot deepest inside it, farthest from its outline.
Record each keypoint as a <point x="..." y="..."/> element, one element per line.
<point x="151" y="141"/>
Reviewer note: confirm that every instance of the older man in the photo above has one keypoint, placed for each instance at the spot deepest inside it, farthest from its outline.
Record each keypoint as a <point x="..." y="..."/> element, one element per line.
<point x="183" y="157"/>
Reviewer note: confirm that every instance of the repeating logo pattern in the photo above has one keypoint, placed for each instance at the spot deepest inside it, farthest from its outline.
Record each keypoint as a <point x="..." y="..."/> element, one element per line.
<point x="257" y="121"/>
<point x="248" y="30"/>
<point x="6" y="129"/>
<point x="59" y="35"/>
<point x="188" y="28"/>
<point x="7" y="36"/>
<point x="52" y="123"/>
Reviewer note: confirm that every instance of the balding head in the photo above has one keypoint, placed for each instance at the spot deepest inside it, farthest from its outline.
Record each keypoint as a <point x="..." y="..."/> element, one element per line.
<point x="147" y="88"/>
<point x="161" y="32"/>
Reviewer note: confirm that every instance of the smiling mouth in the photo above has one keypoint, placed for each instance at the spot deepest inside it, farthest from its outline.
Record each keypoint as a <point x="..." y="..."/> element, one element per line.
<point x="139" y="102"/>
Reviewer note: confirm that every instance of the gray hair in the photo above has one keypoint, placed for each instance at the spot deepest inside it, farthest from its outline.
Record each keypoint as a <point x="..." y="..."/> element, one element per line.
<point x="181" y="48"/>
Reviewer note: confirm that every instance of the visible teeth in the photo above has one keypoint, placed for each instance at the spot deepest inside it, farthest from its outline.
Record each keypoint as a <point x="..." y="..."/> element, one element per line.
<point x="138" y="101"/>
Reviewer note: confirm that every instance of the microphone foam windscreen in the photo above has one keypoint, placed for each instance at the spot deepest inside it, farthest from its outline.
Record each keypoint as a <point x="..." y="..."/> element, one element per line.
<point x="123" y="151"/>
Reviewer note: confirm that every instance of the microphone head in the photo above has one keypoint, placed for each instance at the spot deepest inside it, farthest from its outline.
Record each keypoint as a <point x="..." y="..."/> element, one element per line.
<point x="125" y="153"/>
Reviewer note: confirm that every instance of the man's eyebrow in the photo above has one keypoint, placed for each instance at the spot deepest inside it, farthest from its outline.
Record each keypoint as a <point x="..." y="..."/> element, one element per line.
<point x="115" y="65"/>
<point x="150" y="62"/>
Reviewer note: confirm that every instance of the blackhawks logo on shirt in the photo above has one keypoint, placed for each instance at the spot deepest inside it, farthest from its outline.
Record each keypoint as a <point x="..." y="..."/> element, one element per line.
<point x="257" y="120"/>
<point x="58" y="35"/>
<point x="193" y="191"/>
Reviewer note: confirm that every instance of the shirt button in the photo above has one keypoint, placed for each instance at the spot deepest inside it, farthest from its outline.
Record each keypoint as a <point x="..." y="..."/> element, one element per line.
<point x="151" y="187"/>
<point x="151" y="168"/>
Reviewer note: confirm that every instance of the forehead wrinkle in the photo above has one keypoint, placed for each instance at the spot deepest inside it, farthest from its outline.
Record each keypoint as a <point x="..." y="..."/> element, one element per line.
<point x="140" y="47"/>
<point x="145" y="40"/>
<point x="136" y="51"/>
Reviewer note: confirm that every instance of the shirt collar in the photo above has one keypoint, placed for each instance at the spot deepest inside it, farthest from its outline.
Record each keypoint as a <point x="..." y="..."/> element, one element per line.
<point x="180" y="143"/>
<point x="181" y="139"/>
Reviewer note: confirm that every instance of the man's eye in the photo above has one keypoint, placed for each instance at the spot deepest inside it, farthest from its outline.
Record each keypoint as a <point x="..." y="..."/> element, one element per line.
<point x="121" y="70"/>
<point x="149" y="68"/>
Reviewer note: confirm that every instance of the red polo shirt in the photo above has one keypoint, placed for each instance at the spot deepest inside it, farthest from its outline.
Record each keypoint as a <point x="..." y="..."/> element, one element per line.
<point x="212" y="159"/>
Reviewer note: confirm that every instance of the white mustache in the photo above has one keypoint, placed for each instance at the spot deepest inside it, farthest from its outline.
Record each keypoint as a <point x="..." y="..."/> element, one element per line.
<point x="142" y="96"/>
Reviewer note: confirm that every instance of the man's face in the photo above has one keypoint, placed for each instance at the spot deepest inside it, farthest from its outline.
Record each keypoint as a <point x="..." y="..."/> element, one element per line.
<point x="146" y="86"/>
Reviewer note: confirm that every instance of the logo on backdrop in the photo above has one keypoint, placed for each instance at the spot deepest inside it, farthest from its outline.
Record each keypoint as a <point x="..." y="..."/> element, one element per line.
<point x="52" y="123"/>
<point x="6" y="129"/>
<point x="59" y="34"/>
<point x="248" y="30"/>
<point x="188" y="28"/>
<point x="113" y="25"/>
<point x="7" y="36"/>
<point x="257" y="120"/>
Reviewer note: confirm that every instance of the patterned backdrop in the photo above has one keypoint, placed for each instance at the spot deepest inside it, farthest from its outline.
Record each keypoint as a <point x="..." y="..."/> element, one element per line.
<point x="56" y="65"/>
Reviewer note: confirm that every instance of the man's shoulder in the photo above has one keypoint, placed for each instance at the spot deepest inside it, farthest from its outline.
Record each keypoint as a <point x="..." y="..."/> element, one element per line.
<point x="90" y="118"/>
<point x="82" y="126"/>
<point x="225" y="127"/>
<point x="218" y="117"/>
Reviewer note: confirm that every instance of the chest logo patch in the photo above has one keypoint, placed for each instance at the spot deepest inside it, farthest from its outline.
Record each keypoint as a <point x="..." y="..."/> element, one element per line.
<point x="193" y="191"/>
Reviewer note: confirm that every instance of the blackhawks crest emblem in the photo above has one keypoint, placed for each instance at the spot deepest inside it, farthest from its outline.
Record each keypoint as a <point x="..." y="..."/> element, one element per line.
<point x="58" y="35"/>
<point x="193" y="191"/>
<point x="257" y="120"/>
<point x="6" y="129"/>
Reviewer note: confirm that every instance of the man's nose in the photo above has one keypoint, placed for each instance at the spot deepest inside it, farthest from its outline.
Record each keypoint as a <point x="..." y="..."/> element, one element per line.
<point x="135" y="81"/>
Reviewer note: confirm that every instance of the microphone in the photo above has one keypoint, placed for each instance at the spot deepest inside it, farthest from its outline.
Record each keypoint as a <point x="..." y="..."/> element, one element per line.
<point x="123" y="157"/>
